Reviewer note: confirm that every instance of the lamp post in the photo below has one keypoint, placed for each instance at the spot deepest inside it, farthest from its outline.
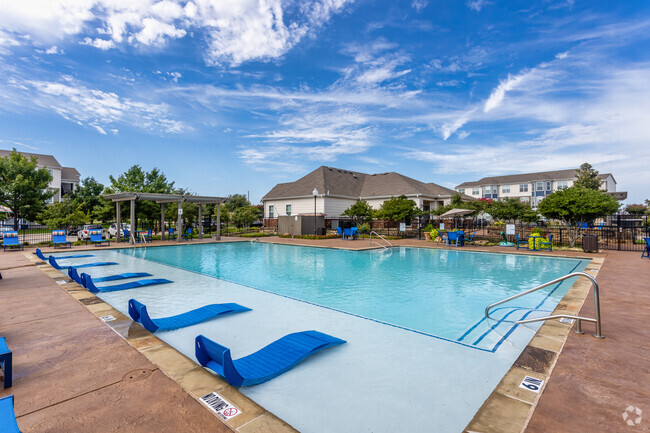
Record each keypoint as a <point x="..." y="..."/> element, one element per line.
<point x="315" y="193"/>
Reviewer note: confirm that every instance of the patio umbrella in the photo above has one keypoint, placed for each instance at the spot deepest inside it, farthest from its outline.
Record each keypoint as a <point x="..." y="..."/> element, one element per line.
<point x="455" y="212"/>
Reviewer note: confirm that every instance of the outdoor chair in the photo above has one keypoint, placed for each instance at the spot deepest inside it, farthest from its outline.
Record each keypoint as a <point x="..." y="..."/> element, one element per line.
<point x="471" y="239"/>
<point x="354" y="232"/>
<point x="10" y="240"/>
<point x="347" y="233"/>
<point x="442" y="236"/>
<point x="59" y="238"/>
<point x="542" y="245"/>
<point x="339" y="231"/>
<point x="5" y="362"/>
<point x="96" y="238"/>
<point x="646" y="250"/>
<point x="7" y="415"/>
<point x="187" y="235"/>
<point x="519" y="242"/>
<point x="171" y="234"/>
<point x="126" y="235"/>
<point x="148" y="236"/>
<point x="456" y="237"/>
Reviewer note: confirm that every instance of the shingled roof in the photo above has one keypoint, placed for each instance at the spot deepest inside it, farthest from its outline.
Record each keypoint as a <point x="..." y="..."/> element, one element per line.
<point x="527" y="177"/>
<point x="352" y="184"/>
<point x="43" y="160"/>
<point x="70" y="173"/>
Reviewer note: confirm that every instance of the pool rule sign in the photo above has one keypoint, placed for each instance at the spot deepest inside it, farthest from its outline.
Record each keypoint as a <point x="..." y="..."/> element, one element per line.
<point x="220" y="405"/>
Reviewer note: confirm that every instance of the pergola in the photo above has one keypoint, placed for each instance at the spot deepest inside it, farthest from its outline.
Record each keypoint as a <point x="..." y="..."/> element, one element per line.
<point x="162" y="199"/>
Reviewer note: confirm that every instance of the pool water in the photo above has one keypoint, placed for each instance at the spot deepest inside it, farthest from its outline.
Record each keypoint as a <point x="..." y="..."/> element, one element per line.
<point x="419" y="355"/>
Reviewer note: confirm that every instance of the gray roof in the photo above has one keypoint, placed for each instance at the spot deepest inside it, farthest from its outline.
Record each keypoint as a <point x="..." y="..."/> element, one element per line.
<point x="346" y="183"/>
<point x="43" y="160"/>
<point x="69" y="173"/>
<point x="527" y="177"/>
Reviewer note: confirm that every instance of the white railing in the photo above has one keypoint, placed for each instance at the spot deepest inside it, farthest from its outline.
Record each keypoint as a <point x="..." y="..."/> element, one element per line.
<point x="377" y="243"/>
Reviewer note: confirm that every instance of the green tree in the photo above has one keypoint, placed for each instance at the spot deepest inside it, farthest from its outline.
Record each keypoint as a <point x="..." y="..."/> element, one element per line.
<point x="63" y="214"/>
<point x="577" y="205"/>
<point x="587" y="177"/>
<point x="236" y="201"/>
<point x="398" y="209"/>
<point x="361" y="212"/>
<point x="509" y="209"/>
<point x="23" y="186"/>
<point x="636" y="209"/>
<point x="245" y="216"/>
<point x="88" y="196"/>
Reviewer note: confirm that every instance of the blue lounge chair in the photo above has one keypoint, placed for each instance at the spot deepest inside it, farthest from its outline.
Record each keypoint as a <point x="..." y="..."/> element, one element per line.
<point x="97" y="239"/>
<point x="542" y="245"/>
<point x="90" y="285"/>
<point x="187" y="235"/>
<point x="339" y="231"/>
<point x="471" y="239"/>
<point x="40" y="255"/>
<point x="139" y="313"/>
<point x="10" y="240"/>
<point x="646" y="250"/>
<point x="59" y="238"/>
<point x="55" y="265"/>
<point x="5" y="362"/>
<point x="520" y="242"/>
<point x="265" y="364"/>
<point x="7" y="415"/>
<point x="74" y="275"/>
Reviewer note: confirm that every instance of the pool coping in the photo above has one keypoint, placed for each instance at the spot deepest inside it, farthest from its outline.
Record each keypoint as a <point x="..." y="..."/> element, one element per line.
<point x="508" y="409"/>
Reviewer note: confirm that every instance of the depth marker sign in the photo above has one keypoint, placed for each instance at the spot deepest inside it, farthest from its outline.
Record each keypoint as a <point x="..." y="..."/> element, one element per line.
<point x="531" y="384"/>
<point x="220" y="405"/>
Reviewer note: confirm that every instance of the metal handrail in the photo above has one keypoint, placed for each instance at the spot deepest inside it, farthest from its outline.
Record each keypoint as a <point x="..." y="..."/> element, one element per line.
<point x="377" y="243"/>
<point x="578" y="319"/>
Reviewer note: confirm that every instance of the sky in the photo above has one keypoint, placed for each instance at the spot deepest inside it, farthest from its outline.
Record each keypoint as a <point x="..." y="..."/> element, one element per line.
<point x="234" y="96"/>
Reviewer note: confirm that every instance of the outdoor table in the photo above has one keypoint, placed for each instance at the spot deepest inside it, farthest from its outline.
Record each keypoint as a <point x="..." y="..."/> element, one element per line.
<point x="533" y="237"/>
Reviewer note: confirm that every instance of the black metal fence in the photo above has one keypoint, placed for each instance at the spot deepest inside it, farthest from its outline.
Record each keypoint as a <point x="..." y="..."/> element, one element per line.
<point x="30" y="234"/>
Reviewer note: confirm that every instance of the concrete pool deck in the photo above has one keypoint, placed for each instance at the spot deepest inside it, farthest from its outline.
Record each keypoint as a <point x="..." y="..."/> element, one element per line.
<point x="68" y="365"/>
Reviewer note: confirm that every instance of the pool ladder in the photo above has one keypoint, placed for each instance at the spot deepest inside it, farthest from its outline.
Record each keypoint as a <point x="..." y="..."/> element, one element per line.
<point x="578" y="319"/>
<point x="377" y="243"/>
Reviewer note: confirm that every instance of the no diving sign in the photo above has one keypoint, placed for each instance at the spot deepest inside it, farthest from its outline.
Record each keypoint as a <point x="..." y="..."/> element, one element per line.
<point x="220" y="405"/>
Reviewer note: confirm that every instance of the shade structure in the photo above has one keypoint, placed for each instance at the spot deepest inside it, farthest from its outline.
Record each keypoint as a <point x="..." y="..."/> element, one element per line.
<point x="456" y="212"/>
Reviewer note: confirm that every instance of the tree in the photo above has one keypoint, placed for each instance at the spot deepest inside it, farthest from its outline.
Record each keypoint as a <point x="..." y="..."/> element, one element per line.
<point x="587" y="177"/>
<point x="245" y="216"/>
<point x="88" y="196"/>
<point x="636" y="209"/>
<point x="63" y="214"/>
<point x="577" y="205"/>
<point x="23" y="186"/>
<point x="360" y="212"/>
<point x="509" y="209"/>
<point x="398" y="209"/>
<point x="224" y="214"/>
<point x="236" y="201"/>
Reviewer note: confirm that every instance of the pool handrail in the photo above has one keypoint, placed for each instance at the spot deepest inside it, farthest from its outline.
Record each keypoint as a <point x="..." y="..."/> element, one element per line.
<point x="377" y="243"/>
<point x="578" y="319"/>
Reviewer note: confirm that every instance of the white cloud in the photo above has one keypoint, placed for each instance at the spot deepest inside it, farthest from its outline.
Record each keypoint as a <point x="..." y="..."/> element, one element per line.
<point x="418" y="5"/>
<point x="54" y="50"/>
<point x="500" y="92"/>
<point x="237" y="30"/>
<point x="477" y="5"/>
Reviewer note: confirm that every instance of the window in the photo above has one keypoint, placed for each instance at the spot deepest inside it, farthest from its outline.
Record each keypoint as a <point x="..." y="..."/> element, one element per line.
<point x="271" y="210"/>
<point x="475" y="191"/>
<point x="461" y="190"/>
<point x="523" y="187"/>
<point x="562" y="184"/>
<point x="539" y="186"/>
<point x="505" y="189"/>
<point x="288" y="209"/>
<point x="548" y="186"/>
<point x="487" y="189"/>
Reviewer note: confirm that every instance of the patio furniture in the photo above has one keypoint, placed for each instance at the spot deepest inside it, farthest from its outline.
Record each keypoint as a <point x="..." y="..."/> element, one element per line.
<point x="471" y="239"/>
<point x="74" y="275"/>
<point x="97" y="239"/>
<point x="148" y="235"/>
<point x="442" y="236"/>
<point x="171" y="235"/>
<point x="10" y="240"/>
<point x="90" y="285"/>
<point x="40" y="255"/>
<point x="265" y="364"/>
<point x="339" y="231"/>
<point x="354" y="232"/>
<point x="519" y="242"/>
<point x="187" y="235"/>
<point x="458" y="237"/>
<point x="543" y="245"/>
<point x="347" y="233"/>
<point x="139" y="313"/>
<point x="646" y="250"/>
<point x="7" y="415"/>
<point x="5" y="362"/>
<point x="59" y="238"/>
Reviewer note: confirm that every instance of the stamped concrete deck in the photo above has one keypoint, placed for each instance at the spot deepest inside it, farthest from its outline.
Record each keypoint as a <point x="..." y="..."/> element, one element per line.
<point x="73" y="373"/>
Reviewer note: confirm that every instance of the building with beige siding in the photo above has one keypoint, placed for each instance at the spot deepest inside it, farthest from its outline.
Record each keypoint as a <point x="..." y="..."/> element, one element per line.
<point x="337" y="189"/>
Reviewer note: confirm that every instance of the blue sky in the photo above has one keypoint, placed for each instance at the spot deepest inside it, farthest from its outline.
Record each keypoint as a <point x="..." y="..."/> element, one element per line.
<point x="234" y="96"/>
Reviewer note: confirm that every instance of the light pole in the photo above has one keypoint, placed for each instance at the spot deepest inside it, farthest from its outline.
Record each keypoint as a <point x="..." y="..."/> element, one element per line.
<point x="315" y="193"/>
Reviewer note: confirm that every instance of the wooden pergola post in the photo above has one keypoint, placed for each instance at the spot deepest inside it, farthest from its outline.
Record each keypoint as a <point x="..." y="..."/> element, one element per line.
<point x="218" y="221"/>
<point x="200" y="221"/>
<point x="132" y="221"/>
<point x="118" y="235"/>
<point x="162" y="221"/>
<point x="179" y="222"/>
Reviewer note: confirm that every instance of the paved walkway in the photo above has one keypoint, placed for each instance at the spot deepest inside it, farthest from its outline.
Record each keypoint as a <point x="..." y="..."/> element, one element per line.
<point x="594" y="380"/>
<point x="72" y="373"/>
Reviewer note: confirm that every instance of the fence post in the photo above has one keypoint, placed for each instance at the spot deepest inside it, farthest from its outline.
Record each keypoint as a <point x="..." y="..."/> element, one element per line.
<point x="618" y="230"/>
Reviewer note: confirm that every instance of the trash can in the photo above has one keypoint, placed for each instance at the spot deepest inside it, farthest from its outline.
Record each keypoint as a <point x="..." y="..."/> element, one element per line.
<point x="590" y="243"/>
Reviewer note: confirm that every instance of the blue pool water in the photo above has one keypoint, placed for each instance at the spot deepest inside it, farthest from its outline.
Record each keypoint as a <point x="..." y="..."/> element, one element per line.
<point x="442" y="293"/>
<point x="419" y="355"/>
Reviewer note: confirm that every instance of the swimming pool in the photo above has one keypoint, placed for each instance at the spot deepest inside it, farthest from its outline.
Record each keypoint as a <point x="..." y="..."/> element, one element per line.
<point x="419" y="355"/>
